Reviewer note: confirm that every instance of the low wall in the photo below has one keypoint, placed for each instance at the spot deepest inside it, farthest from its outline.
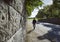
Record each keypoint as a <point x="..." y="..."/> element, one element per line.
<point x="12" y="21"/>
<point x="17" y="37"/>
<point x="51" y="20"/>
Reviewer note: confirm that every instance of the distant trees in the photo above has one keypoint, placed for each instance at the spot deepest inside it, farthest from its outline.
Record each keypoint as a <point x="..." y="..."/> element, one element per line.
<point x="43" y="13"/>
<point x="52" y="11"/>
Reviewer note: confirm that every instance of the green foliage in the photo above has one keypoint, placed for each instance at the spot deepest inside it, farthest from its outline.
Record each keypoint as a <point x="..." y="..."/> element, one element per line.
<point x="55" y="9"/>
<point x="43" y="13"/>
<point x="51" y="11"/>
<point x="40" y="14"/>
<point x="31" y="4"/>
<point x="56" y="3"/>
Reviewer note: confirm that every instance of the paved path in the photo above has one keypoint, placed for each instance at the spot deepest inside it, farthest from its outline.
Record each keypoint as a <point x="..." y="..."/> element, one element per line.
<point x="44" y="32"/>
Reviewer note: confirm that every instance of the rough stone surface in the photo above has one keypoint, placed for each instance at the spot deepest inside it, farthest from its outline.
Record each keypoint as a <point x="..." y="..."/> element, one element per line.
<point x="11" y="21"/>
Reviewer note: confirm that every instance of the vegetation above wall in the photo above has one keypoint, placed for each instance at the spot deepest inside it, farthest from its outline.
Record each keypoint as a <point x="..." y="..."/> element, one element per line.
<point x="31" y="5"/>
<point x="52" y="11"/>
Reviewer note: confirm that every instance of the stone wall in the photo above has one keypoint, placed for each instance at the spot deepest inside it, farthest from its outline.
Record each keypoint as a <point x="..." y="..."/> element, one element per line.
<point x="12" y="20"/>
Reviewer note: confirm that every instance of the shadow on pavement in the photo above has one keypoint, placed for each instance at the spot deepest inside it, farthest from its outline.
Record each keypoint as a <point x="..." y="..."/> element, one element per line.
<point x="53" y="35"/>
<point x="30" y="31"/>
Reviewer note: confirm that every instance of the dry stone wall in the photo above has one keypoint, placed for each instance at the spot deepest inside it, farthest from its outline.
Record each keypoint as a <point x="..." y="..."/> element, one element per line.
<point x="12" y="21"/>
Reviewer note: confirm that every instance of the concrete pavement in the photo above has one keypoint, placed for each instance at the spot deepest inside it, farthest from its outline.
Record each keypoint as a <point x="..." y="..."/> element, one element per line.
<point x="44" y="32"/>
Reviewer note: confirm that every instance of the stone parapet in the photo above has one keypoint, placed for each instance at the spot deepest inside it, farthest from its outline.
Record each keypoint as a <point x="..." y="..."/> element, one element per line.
<point x="11" y="21"/>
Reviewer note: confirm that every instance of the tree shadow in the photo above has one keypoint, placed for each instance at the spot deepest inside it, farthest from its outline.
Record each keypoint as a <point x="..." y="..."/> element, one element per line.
<point x="30" y="31"/>
<point x="52" y="25"/>
<point x="53" y="35"/>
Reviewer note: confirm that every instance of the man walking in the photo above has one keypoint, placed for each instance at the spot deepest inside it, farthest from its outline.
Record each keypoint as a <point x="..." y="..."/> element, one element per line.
<point x="34" y="23"/>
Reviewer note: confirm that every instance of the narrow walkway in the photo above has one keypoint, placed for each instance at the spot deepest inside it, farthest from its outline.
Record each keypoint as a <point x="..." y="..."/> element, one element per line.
<point x="44" y="32"/>
<point x="32" y="36"/>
